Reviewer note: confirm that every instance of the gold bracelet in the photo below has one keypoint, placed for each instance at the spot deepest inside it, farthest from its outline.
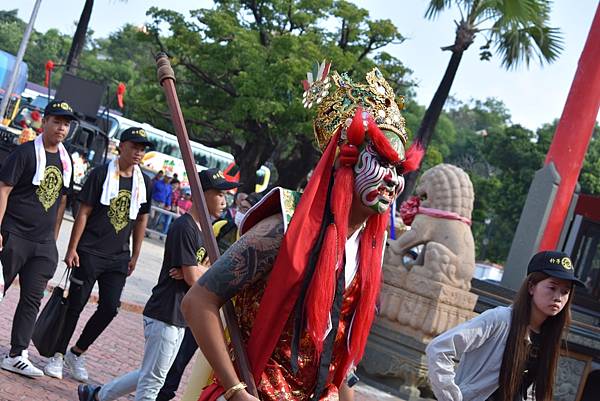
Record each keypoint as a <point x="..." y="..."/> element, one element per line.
<point x="234" y="389"/>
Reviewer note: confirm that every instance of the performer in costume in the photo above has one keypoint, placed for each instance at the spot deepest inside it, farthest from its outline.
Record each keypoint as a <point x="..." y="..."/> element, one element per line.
<point x="305" y="293"/>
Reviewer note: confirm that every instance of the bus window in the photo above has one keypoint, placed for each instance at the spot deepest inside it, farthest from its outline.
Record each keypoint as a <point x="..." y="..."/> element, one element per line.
<point x="200" y="158"/>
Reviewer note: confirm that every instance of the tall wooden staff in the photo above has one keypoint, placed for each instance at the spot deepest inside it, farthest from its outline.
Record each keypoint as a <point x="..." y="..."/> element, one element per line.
<point x="166" y="78"/>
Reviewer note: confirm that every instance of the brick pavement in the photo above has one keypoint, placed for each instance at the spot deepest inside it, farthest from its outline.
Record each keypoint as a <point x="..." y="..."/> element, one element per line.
<point x="117" y="351"/>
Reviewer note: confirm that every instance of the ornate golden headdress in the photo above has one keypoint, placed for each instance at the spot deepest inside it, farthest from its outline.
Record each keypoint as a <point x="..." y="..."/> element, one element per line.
<point x="337" y="98"/>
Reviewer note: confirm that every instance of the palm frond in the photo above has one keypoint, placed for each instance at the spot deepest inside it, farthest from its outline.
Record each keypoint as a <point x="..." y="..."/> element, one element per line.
<point x="521" y="11"/>
<point x="536" y="11"/>
<point x="523" y="44"/>
<point x="436" y="7"/>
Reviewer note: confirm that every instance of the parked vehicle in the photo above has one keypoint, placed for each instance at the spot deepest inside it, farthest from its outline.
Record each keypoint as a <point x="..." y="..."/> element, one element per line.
<point x="7" y="66"/>
<point x="166" y="155"/>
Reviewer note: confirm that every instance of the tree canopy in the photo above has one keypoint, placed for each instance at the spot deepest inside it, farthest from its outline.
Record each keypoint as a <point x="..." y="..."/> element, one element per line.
<point x="240" y="65"/>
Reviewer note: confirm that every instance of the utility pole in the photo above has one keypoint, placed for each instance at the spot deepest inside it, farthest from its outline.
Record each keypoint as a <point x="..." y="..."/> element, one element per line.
<point x="20" y="54"/>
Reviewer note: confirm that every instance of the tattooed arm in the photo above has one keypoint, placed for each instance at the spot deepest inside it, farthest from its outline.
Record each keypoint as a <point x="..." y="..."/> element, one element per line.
<point x="246" y="262"/>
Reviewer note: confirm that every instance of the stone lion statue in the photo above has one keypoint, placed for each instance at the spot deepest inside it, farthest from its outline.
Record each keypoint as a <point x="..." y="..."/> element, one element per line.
<point x="442" y="227"/>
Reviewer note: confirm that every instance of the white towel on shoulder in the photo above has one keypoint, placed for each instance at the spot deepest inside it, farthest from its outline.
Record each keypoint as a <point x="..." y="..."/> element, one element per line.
<point x="40" y="162"/>
<point x="110" y="188"/>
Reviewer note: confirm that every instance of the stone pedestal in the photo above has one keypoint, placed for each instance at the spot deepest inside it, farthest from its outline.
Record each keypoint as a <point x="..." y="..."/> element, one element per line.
<point x="422" y="308"/>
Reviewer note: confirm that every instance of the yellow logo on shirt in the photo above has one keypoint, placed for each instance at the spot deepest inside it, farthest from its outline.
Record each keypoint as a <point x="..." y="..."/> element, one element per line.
<point x="50" y="187"/>
<point x="200" y="254"/>
<point x="118" y="210"/>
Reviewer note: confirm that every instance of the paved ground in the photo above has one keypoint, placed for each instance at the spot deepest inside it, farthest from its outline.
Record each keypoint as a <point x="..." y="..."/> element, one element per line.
<point x="117" y="351"/>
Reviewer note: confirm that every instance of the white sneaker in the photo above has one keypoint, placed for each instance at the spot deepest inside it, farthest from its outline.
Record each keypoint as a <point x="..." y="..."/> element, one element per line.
<point x="54" y="368"/>
<point x="22" y="365"/>
<point x="76" y="364"/>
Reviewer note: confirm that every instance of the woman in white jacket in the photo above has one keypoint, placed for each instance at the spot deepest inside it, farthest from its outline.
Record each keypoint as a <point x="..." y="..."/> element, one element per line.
<point x="508" y="353"/>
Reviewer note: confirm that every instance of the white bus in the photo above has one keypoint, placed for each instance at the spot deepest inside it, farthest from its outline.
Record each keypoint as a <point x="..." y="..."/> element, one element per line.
<point x="166" y="155"/>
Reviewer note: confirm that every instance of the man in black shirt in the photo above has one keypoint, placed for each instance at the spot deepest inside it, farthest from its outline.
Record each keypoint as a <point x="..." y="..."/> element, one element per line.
<point x="115" y="200"/>
<point x="33" y="184"/>
<point x="163" y="322"/>
<point x="214" y="185"/>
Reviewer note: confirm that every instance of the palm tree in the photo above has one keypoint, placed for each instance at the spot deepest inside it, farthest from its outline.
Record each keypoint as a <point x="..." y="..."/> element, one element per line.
<point x="517" y="30"/>
<point x="78" y="42"/>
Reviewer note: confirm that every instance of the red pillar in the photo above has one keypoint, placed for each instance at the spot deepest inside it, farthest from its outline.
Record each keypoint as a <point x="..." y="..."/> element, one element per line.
<point x="574" y="132"/>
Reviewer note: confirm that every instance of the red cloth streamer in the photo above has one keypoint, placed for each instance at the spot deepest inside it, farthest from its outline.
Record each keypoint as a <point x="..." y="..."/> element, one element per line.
<point x="120" y="92"/>
<point x="285" y="280"/>
<point x="49" y="69"/>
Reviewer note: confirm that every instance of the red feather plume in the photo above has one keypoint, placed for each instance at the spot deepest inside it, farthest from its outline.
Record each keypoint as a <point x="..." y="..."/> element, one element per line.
<point x="414" y="156"/>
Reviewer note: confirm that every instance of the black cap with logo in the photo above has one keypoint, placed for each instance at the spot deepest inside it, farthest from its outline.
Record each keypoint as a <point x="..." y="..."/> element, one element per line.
<point x="136" y="135"/>
<point x="555" y="264"/>
<point x="213" y="178"/>
<point x="60" y="108"/>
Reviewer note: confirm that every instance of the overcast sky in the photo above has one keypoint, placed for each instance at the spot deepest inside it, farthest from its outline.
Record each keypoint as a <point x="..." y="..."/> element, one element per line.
<point x="534" y="96"/>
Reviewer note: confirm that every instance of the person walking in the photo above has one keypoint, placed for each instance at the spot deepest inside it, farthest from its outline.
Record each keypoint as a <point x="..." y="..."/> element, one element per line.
<point x="33" y="185"/>
<point x="508" y="353"/>
<point x="114" y="203"/>
<point x="185" y="260"/>
<point x="161" y="198"/>
<point x="215" y="186"/>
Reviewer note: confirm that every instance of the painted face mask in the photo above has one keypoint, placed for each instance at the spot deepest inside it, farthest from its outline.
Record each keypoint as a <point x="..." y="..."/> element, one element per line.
<point x="376" y="181"/>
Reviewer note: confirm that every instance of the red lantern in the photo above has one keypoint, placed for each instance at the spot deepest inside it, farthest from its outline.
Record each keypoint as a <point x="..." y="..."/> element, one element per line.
<point x="120" y="92"/>
<point x="49" y="68"/>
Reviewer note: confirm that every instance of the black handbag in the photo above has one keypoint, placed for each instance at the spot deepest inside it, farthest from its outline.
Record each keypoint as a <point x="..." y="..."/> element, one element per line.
<point x="50" y="322"/>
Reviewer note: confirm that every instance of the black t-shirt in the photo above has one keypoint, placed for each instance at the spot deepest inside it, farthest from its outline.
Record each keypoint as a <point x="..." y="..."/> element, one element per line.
<point x="183" y="247"/>
<point x="31" y="210"/>
<point x="109" y="227"/>
<point x="531" y="366"/>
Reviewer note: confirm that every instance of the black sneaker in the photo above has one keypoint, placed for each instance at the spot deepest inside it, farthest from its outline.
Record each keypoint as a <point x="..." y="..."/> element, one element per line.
<point x="87" y="392"/>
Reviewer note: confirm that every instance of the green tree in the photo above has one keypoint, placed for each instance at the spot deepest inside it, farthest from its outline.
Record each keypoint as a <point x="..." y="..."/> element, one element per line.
<point x="589" y="177"/>
<point x="515" y="155"/>
<point x="239" y="66"/>
<point x="124" y="56"/>
<point x="51" y="45"/>
<point x="517" y="29"/>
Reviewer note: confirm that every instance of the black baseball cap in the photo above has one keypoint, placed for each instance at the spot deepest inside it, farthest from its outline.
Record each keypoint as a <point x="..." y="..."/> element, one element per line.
<point x="555" y="264"/>
<point x="60" y="108"/>
<point x="136" y="135"/>
<point x="213" y="178"/>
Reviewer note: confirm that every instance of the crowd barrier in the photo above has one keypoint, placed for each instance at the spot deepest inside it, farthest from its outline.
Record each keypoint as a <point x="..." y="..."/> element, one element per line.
<point x="151" y="232"/>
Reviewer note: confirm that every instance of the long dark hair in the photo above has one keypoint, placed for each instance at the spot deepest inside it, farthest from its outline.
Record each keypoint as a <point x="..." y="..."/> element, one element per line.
<point x="517" y="348"/>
